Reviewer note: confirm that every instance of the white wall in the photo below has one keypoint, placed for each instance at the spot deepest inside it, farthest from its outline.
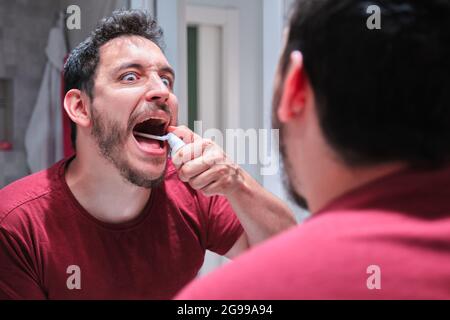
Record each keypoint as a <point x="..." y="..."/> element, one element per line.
<point x="250" y="56"/>
<point x="171" y="17"/>
<point x="91" y="13"/>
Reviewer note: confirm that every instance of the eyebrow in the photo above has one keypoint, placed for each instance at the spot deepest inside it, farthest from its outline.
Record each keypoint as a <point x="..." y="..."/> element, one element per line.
<point x="139" y="66"/>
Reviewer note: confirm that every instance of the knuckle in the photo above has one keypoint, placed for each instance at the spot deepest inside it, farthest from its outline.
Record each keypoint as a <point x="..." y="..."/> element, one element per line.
<point x="182" y="176"/>
<point x="221" y="159"/>
<point x="185" y="171"/>
<point x="207" y="142"/>
<point x="223" y="171"/>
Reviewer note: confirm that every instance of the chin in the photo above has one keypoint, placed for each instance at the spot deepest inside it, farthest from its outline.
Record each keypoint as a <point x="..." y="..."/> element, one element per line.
<point x="152" y="167"/>
<point x="142" y="170"/>
<point x="154" y="172"/>
<point x="145" y="176"/>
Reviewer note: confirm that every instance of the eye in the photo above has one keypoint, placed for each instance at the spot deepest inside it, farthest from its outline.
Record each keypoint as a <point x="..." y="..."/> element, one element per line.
<point x="167" y="82"/>
<point x="130" y="76"/>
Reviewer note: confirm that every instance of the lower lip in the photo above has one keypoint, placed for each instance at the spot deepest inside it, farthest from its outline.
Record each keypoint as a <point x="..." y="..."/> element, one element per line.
<point x="151" y="152"/>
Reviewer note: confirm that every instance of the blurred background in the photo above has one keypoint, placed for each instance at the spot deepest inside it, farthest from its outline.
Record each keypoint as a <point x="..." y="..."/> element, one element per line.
<point x="224" y="53"/>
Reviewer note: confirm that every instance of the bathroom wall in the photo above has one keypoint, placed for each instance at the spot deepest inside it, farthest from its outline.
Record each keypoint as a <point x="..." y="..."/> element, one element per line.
<point x="91" y="12"/>
<point x="24" y="27"/>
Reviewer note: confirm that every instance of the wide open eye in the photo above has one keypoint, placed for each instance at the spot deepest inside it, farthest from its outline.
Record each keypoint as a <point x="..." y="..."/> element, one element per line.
<point x="167" y="82"/>
<point x="129" y="77"/>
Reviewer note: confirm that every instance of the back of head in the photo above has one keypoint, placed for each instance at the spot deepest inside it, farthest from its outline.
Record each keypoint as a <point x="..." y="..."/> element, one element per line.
<point x="383" y="94"/>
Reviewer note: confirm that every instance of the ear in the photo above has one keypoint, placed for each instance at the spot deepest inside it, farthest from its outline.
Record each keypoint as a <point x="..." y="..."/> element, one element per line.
<point x="293" y="92"/>
<point x="76" y="107"/>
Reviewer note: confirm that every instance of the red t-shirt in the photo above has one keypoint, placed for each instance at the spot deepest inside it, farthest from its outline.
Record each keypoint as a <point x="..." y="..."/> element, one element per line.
<point x="389" y="239"/>
<point x="50" y="247"/>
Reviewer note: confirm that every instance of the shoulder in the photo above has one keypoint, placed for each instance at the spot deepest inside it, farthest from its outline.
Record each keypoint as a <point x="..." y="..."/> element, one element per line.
<point x="19" y="198"/>
<point x="310" y="261"/>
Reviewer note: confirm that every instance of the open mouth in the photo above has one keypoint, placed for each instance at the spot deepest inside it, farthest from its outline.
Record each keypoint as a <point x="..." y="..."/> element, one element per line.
<point x="154" y="126"/>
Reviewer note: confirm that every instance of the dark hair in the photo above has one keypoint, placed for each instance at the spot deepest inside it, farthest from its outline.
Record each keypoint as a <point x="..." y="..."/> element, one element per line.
<point x="80" y="67"/>
<point x="383" y="94"/>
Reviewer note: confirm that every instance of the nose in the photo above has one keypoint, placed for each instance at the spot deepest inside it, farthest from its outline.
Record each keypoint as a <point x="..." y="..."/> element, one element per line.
<point x="157" y="92"/>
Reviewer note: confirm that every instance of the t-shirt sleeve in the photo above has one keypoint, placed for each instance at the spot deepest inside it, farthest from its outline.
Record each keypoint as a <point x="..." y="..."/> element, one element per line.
<point x="17" y="278"/>
<point x="223" y="226"/>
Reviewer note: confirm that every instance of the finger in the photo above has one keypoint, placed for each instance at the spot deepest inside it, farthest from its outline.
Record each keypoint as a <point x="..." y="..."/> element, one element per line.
<point x="212" y="189"/>
<point x="192" y="168"/>
<point x="191" y="151"/>
<point x="198" y="165"/>
<point x="187" y="153"/>
<point x="204" y="179"/>
<point x="217" y="174"/>
<point x="226" y="182"/>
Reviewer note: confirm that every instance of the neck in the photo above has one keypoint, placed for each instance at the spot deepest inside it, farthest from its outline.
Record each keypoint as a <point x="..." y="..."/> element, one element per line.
<point x="336" y="180"/>
<point x="103" y="192"/>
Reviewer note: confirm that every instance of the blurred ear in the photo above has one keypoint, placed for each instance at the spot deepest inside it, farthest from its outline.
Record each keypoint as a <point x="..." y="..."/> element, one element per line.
<point x="293" y="92"/>
<point x="76" y="108"/>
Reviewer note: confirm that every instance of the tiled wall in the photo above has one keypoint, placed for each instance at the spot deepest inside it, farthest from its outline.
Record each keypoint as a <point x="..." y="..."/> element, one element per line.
<point x="24" y="27"/>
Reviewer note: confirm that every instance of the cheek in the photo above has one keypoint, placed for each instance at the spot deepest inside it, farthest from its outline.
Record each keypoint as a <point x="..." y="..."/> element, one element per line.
<point x="118" y="104"/>
<point x="173" y="105"/>
<point x="290" y="141"/>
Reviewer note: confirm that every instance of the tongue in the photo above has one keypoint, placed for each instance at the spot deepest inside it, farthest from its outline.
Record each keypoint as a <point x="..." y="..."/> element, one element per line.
<point x="147" y="144"/>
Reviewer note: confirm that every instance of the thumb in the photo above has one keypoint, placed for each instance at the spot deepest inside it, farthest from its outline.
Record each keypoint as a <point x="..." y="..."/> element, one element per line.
<point x="184" y="133"/>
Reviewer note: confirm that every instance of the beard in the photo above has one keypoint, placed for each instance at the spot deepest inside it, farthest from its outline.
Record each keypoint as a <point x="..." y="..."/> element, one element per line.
<point x="288" y="176"/>
<point x="111" y="139"/>
<point x="288" y="172"/>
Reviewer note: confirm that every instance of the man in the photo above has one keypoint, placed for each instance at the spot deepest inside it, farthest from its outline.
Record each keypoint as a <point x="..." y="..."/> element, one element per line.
<point x="365" y="127"/>
<point x="116" y="221"/>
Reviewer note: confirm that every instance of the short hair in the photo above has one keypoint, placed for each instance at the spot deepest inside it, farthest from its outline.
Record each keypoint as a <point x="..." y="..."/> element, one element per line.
<point x="382" y="95"/>
<point x="81" y="65"/>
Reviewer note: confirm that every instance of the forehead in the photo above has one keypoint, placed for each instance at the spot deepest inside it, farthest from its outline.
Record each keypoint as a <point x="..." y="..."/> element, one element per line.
<point x="131" y="48"/>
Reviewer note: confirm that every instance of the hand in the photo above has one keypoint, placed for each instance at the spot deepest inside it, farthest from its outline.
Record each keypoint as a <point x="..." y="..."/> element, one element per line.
<point x="204" y="165"/>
